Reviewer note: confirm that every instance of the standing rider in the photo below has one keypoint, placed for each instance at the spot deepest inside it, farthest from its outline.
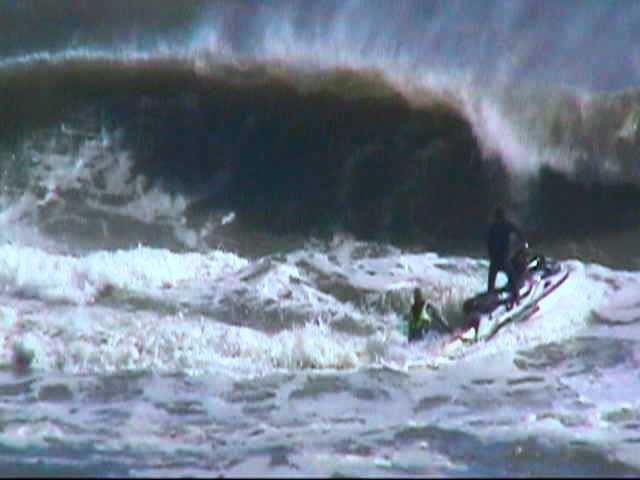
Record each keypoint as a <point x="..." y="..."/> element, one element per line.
<point x="507" y="249"/>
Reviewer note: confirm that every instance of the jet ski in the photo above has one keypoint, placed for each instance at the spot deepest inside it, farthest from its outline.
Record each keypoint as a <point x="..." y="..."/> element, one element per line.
<point x="488" y="312"/>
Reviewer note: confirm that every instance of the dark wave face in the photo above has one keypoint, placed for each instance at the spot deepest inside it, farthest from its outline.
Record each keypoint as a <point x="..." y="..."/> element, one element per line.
<point x="407" y="123"/>
<point x="347" y="151"/>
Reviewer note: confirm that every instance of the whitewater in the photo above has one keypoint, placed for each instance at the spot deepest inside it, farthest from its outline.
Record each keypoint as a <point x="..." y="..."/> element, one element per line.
<point x="214" y="214"/>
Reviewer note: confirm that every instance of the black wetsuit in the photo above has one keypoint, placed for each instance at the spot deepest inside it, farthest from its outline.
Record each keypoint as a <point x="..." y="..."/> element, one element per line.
<point x="498" y="246"/>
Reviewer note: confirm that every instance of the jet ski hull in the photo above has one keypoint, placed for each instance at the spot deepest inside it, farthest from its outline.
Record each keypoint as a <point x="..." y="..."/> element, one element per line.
<point x="488" y="312"/>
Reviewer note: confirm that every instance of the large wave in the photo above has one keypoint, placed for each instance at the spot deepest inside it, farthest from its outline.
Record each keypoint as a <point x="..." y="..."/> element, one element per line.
<point x="298" y="128"/>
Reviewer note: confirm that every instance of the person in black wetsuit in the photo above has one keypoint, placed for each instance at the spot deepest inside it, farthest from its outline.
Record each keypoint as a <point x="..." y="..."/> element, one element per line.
<point x="507" y="252"/>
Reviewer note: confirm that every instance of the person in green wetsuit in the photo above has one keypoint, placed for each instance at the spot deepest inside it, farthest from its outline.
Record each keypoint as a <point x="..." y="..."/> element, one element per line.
<point x="423" y="317"/>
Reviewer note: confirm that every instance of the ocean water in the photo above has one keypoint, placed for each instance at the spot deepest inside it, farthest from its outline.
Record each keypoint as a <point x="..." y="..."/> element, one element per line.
<point x="214" y="213"/>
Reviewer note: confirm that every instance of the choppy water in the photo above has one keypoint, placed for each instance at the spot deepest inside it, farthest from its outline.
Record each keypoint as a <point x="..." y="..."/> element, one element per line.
<point x="214" y="216"/>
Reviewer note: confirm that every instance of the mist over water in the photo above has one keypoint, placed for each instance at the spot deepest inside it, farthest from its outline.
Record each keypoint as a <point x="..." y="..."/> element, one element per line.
<point x="585" y="44"/>
<point x="214" y="214"/>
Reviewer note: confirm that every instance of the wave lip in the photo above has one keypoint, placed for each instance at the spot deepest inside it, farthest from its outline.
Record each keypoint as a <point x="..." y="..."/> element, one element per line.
<point x="365" y="145"/>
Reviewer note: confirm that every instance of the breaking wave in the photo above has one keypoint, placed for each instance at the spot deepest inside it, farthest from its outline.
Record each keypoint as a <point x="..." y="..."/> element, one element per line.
<point x="234" y="110"/>
<point x="295" y="149"/>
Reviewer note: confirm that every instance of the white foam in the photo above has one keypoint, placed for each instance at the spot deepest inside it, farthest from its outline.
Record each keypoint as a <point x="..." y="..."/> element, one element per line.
<point x="33" y="434"/>
<point x="74" y="313"/>
<point x="99" y="340"/>
<point x="92" y="163"/>
<point x="622" y="305"/>
<point x="80" y="279"/>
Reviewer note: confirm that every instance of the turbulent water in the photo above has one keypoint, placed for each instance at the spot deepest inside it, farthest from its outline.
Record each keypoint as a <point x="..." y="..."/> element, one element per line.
<point x="214" y="213"/>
